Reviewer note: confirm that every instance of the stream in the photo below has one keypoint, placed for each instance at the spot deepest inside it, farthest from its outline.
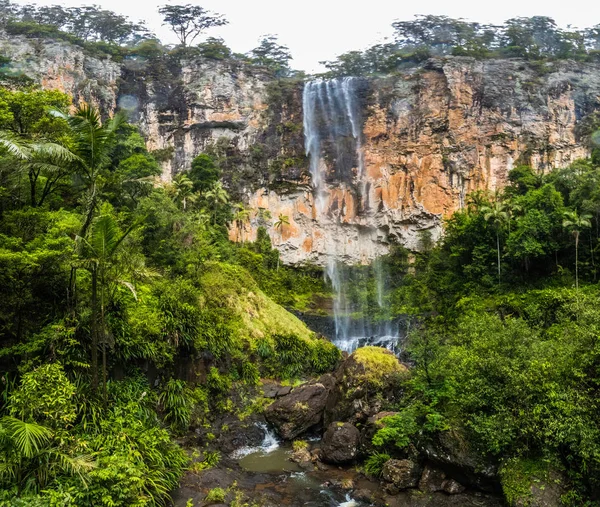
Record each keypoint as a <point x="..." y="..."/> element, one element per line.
<point x="273" y="457"/>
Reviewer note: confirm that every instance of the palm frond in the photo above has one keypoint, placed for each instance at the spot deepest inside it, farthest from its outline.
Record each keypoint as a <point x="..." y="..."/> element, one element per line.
<point x="131" y="288"/>
<point x="72" y="465"/>
<point x="28" y="438"/>
<point x="54" y="151"/>
<point x="16" y="146"/>
<point x="105" y="236"/>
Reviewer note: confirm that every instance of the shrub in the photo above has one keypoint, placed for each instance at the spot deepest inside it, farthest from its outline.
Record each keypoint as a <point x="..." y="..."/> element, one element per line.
<point x="374" y="464"/>
<point x="216" y="495"/>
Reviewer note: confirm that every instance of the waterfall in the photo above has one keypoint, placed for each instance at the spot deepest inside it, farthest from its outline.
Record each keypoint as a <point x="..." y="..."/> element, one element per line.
<point x="334" y="146"/>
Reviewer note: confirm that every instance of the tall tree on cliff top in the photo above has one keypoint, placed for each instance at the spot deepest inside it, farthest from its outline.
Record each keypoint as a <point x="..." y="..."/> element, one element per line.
<point x="271" y="54"/>
<point x="189" y="21"/>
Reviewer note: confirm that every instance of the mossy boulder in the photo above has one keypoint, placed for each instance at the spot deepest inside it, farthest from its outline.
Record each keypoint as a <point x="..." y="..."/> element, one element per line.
<point x="367" y="381"/>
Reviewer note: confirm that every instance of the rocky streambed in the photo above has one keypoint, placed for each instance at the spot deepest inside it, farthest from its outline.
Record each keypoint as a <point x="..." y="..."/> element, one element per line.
<point x="304" y="449"/>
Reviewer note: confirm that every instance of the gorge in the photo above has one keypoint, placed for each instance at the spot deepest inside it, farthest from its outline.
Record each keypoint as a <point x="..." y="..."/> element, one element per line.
<point x="226" y="282"/>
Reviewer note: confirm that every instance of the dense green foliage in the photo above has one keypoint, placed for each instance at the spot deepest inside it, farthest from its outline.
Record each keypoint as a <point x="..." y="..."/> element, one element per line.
<point x="507" y="349"/>
<point x="112" y="283"/>
<point x="536" y="38"/>
<point x="104" y="33"/>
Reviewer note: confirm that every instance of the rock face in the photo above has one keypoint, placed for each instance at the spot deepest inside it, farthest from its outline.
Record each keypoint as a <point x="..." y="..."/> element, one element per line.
<point x="298" y="411"/>
<point x="453" y="453"/>
<point x="433" y="479"/>
<point x="340" y="443"/>
<point x="428" y="136"/>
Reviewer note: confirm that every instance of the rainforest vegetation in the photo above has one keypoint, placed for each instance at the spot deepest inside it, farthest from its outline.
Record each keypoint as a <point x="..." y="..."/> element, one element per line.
<point x="114" y="287"/>
<point x="107" y="278"/>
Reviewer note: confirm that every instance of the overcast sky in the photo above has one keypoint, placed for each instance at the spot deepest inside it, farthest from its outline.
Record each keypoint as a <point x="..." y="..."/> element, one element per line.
<point x="317" y="30"/>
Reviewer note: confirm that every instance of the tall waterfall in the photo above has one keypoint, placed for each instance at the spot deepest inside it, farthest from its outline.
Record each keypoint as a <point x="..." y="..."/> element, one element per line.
<point x="334" y="145"/>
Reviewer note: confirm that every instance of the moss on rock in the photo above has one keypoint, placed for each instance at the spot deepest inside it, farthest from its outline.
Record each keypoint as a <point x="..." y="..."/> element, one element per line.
<point x="374" y="365"/>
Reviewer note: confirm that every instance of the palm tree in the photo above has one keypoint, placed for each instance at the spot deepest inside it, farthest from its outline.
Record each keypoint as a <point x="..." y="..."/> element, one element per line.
<point x="281" y="221"/>
<point x="498" y="216"/>
<point x="93" y="142"/>
<point x="183" y="187"/>
<point x="477" y="200"/>
<point x="37" y="158"/>
<point x="216" y="196"/>
<point x="30" y="458"/>
<point x="263" y="215"/>
<point x="512" y="210"/>
<point x="98" y="254"/>
<point x="241" y="218"/>
<point x="575" y="223"/>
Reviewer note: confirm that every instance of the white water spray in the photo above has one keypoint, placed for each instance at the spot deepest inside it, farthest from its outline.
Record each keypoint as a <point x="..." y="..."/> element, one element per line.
<point x="269" y="444"/>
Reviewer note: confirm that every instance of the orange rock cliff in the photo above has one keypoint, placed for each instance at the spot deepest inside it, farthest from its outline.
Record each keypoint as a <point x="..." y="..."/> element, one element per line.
<point x="429" y="136"/>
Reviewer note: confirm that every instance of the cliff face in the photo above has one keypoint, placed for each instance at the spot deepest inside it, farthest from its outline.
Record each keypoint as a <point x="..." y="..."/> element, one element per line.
<point x="428" y="137"/>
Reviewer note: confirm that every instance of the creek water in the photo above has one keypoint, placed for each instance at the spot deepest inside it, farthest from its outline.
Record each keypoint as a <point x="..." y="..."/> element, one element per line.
<point x="273" y="457"/>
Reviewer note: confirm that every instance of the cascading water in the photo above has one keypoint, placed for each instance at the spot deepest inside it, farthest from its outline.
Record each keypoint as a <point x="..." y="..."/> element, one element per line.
<point x="269" y="444"/>
<point x="334" y="146"/>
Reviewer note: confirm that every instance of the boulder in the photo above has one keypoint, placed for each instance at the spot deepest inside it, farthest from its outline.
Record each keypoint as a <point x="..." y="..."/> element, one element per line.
<point x="299" y="410"/>
<point x="366" y="380"/>
<point x="401" y="474"/>
<point x="340" y="443"/>
<point x="434" y="479"/>
<point x="453" y="453"/>
<point x="272" y="389"/>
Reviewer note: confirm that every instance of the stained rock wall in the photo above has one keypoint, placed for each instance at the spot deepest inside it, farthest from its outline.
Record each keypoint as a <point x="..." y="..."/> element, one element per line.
<point x="430" y="136"/>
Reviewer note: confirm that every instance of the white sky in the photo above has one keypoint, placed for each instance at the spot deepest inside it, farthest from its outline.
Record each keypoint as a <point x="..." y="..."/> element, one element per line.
<point x="317" y="30"/>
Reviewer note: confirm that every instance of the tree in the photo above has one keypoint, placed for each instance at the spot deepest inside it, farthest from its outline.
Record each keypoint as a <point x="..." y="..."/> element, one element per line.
<point x="241" y="217"/>
<point x="216" y="197"/>
<point x="98" y="254"/>
<point x="93" y="142"/>
<point x="183" y="189"/>
<point x="281" y="221"/>
<point x="188" y="21"/>
<point x="440" y="34"/>
<point x="214" y="48"/>
<point x="47" y="159"/>
<point x="94" y="24"/>
<point x="498" y="216"/>
<point x="204" y="173"/>
<point x="575" y="224"/>
<point x="271" y="54"/>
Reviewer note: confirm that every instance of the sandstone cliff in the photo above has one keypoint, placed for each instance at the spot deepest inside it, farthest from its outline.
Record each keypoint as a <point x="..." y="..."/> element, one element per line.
<point x="429" y="136"/>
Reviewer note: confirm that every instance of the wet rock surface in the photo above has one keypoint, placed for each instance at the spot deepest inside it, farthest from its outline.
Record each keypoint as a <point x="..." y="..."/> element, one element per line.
<point x="401" y="474"/>
<point x="434" y="479"/>
<point x="452" y="452"/>
<point x="340" y="443"/>
<point x="299" y="410"/>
